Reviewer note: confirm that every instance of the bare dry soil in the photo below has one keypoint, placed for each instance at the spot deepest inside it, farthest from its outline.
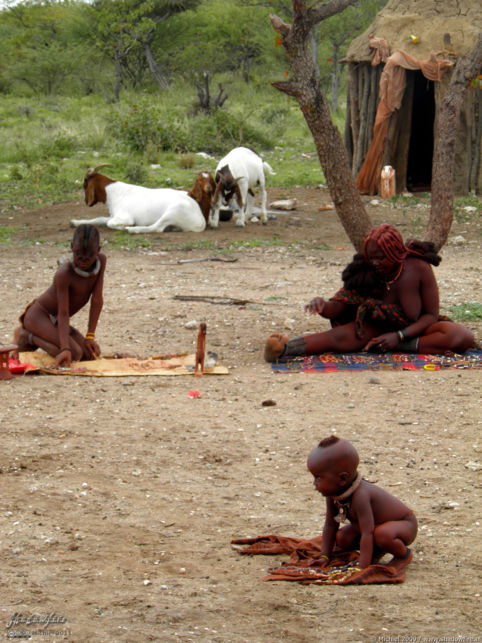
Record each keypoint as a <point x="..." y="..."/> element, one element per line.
<point x="120" y="496"/>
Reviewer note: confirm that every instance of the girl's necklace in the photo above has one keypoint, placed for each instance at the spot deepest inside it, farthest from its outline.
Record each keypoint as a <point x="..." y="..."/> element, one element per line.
<point x="392" y="281"/>
<point x="84" y="273"/>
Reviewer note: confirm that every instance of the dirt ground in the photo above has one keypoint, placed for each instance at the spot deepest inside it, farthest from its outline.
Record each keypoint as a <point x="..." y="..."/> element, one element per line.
<point x="120" y="496"/>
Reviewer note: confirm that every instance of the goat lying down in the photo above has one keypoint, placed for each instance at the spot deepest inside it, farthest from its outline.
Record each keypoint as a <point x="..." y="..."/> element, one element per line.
<point x="138" y="209"/>
<point x="236" y="174"/>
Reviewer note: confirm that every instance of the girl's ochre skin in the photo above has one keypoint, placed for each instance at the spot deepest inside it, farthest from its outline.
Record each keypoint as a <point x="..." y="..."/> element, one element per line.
<point x="46" y="321"/>
<point x="378" y="522"/>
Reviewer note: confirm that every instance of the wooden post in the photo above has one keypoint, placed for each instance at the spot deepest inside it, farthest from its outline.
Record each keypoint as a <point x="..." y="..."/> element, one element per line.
<point x="200" y="351"/>
<point x="4" y="370"/>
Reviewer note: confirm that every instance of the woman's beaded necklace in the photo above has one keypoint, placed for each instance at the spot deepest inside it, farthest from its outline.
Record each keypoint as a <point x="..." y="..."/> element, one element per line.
<point x="397" y="276"/>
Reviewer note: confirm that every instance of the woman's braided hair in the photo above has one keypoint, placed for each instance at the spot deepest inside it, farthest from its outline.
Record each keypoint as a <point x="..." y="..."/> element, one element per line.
<point x="361" y="277"/>
<point x="390" y="242"/>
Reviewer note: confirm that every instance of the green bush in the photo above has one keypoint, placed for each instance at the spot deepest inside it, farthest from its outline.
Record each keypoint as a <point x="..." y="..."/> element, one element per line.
<point x="148" y="127"/>
<point x="57" y="146"/>
<point x="135" y="172"/>
<point x="221" y="130"/>
<point x="145" y="124"/>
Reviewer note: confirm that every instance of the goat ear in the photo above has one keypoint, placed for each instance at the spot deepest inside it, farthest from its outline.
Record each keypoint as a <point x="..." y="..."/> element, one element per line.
<point x="90" y="199"/>
<point x="196" y="191"/>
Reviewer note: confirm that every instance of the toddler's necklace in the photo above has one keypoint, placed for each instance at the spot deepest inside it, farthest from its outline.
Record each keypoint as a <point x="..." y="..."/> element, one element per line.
<point x="343" y="507"/>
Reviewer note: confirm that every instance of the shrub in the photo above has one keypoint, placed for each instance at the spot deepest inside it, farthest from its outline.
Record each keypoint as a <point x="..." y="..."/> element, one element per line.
<point x="222" y="130"/>
<point x="186" y="161"/>
<point x="136" y="173"/>
<point x="151" y="152"/>
<point x="145" y="127"/>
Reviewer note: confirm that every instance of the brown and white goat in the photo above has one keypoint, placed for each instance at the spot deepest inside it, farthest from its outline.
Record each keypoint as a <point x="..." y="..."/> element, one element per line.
<point x="236" y="174"/>
<point x="138" y="209"/>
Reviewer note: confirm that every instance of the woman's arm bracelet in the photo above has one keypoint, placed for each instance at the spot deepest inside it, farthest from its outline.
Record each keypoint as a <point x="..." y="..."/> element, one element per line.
<point x="324" y="556"/>
<point x="402" y="335"/>
<point x="90" y="336"/>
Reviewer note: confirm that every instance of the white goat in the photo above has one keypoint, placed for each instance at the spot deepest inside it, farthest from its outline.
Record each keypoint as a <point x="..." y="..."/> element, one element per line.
<point x="236" y="174"/>
<point x="139" y="209"/>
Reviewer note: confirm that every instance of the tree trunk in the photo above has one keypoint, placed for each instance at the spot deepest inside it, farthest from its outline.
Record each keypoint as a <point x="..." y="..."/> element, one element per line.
<point x="117" y="75"/>
<point x="306" y="87"/>
<point x="335" y="79"/>
<point x="314" y="47"/>
<point x="154" y="67"/>
<point x="441" y="212"/>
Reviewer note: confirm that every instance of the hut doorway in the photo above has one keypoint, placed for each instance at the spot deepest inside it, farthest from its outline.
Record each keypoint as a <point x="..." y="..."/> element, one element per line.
<point x="420" y="153"/>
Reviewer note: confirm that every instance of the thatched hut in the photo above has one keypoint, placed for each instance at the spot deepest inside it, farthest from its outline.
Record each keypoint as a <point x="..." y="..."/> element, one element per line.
<point x="399" y="69"/>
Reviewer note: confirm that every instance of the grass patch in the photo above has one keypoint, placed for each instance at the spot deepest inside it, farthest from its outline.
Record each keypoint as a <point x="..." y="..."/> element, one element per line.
<point x="467" y="311"/>
<point x="127" y="241"/>
<point x="6" y="234"/>
<point x="321" y="246"/>
<point x="255" y="243"/>
<point x="212" y="246"/>
<point x="467" y="208"/>
<point x="225" y="245"/>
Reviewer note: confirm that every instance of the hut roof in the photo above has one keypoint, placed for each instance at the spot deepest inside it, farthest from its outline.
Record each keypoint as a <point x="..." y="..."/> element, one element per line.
<point x="429" y="20"/>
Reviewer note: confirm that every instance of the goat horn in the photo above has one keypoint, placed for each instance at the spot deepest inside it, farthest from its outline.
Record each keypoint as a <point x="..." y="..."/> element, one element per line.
<point x="93" y="170"/>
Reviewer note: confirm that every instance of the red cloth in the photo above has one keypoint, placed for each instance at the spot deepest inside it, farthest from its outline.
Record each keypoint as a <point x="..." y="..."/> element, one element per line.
<point x="15" y="366"/>
<point x="392" y="86"/>
<point x="302" y="566"/>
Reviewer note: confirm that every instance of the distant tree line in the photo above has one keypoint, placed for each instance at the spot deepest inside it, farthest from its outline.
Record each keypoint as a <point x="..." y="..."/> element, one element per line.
<point x="104" y="46"/>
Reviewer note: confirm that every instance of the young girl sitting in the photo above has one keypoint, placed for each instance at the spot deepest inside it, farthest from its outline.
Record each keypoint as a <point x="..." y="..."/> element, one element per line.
<point x="45" y="323"/>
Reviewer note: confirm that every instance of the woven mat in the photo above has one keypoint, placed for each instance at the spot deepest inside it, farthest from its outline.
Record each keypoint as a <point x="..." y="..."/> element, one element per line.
<point x="167" y="365"/>
<point x="330" y="362"/>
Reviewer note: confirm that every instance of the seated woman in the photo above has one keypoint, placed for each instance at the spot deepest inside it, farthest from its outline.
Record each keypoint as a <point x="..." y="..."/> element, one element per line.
<point x="389" y="302"/>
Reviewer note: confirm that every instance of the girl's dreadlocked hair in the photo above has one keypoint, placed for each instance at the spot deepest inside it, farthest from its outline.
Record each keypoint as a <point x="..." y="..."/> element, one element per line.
<point x="86" y="236"/>
<point x="390" y="242"/>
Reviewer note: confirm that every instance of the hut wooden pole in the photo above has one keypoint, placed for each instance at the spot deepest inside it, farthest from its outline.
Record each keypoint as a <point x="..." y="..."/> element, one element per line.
<point x="354" y="110"/>
<point x="478" y="137"/>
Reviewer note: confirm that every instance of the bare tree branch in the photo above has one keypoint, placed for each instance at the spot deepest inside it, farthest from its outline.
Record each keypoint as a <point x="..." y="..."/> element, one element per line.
<point x="328" y="9"/>
<point x="305" y="85"/>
